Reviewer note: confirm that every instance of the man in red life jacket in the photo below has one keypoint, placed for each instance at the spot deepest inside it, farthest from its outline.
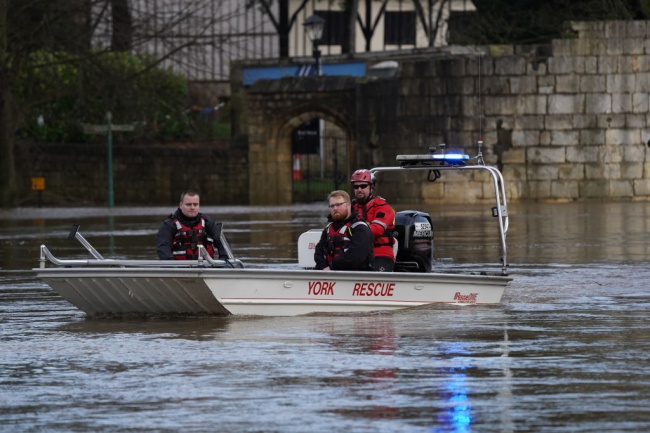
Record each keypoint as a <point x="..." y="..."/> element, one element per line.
<point x="346" y="241"/>
<point x="379" y="215"/>
<point x="181" y="233"/>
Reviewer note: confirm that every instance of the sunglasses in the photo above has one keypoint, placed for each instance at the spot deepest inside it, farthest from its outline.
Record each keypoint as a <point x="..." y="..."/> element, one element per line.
<point x="361" y="186"/>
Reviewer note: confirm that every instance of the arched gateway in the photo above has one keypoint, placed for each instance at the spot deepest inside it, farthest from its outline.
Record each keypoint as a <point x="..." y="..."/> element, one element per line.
<point x="302" y="138"/>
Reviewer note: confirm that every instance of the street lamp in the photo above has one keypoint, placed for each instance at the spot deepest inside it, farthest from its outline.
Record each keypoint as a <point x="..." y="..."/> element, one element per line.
<point x="314" y="27"/>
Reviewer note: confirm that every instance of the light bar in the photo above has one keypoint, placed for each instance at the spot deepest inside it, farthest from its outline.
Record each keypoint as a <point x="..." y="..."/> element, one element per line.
<point x="443" y="157"/>
<point x="450" y="157"/>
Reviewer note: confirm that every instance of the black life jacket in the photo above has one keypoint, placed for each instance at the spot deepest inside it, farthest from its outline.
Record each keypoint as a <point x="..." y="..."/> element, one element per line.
<point x="338" y="240"/>
<point x="187" y="239"/>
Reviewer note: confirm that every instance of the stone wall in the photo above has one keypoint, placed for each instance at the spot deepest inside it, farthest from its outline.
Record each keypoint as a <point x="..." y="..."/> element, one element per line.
<point x="76" y="174"/>
<point x="585" y="134"/>
<point x="564" y="122"/>
<point x="276" y="108"/>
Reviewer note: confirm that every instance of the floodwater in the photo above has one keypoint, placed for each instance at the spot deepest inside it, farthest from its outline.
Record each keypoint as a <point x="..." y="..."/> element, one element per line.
<point x="566" y="351"/>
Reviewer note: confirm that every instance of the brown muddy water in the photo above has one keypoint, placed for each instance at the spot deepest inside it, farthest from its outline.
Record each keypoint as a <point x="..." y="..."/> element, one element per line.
<point x="566" y="351"/>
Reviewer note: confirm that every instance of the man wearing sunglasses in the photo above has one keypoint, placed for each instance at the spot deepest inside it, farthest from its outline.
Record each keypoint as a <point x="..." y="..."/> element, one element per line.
<point x="379" y="215"/>
<point x="346" y="241"/>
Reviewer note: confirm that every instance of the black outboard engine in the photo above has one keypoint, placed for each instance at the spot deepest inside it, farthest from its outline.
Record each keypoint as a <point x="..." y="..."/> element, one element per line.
<point x="414" y="232"/>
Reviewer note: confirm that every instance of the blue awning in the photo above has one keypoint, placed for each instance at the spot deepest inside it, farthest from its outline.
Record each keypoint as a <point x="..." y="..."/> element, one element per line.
<point x="252" y="74"/>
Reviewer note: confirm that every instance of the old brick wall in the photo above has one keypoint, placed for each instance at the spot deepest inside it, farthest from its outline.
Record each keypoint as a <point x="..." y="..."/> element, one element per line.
<point x="564" y="122"/>
<point x="274" y="109"/>
<point x="76" y="174"/>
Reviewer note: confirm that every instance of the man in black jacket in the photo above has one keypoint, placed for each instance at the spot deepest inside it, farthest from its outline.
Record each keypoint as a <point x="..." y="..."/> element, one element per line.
<point x="181" y="233"/>
<point x="346" y="241"/>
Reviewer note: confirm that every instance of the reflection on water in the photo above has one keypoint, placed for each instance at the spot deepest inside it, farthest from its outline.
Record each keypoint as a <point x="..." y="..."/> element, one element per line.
<point x="538" y="234"/>
<point x="580" y="232"/>
<point x="566" y="350"/>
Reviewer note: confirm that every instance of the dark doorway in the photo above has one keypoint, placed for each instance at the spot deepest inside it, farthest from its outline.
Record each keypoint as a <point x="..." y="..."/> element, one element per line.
<point x="320" y="161"/>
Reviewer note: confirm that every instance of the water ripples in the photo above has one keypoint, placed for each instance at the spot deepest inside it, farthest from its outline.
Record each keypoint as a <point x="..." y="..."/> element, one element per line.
<point x="564" y="352"/>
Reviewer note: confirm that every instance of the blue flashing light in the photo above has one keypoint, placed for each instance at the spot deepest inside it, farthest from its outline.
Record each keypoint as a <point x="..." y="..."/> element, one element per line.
<point x="450" y="157"/>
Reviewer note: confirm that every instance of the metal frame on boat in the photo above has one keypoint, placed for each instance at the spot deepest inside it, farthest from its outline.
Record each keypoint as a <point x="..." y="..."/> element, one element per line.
<point x="207" y="286"/>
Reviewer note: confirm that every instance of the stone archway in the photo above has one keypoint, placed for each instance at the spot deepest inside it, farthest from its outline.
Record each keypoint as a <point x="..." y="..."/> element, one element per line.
<point x="275" y="108"/>
<point x="324" y="164"/>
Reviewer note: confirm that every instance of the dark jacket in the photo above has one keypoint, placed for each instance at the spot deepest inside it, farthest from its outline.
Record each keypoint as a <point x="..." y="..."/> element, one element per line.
<point x="358" y="254"/>
<point x="167" y="231"/>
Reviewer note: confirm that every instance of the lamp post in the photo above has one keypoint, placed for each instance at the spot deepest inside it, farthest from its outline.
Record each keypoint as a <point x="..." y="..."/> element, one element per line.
<point x="314" y="26"/>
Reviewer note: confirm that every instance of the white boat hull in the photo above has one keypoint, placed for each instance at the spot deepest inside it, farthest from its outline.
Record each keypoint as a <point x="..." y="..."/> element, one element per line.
<point x="267" y="292"/>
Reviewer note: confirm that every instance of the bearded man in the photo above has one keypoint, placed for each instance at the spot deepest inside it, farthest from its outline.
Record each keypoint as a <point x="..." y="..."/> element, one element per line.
<point x="346" y="241"/>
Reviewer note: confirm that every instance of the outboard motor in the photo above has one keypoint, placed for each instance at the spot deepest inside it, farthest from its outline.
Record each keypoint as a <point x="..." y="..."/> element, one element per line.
<point x="414" y="232"/>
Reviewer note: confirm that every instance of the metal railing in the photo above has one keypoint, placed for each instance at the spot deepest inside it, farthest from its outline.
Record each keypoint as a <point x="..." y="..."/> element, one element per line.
<point x="500" y="210"/>
<point x="203" y="261"/>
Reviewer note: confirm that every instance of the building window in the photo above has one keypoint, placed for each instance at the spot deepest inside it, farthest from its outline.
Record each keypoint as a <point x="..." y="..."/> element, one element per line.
<point x="399" y="28"/>
<point x="334" y="30"/>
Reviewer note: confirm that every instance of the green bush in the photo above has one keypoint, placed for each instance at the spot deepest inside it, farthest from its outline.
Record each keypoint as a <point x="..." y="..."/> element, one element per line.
<point x="58" y="92"/>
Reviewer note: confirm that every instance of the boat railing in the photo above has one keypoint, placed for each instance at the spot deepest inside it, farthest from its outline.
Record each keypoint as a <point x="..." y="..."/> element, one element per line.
<point x="434" y="163"/>
<point x="204" y="260"/>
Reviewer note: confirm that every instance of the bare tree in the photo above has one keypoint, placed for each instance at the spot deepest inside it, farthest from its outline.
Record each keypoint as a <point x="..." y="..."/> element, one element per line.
<point x="122" y="26"/>
<point x="170" y="30"/>
<point x="534" y="22"/>
<point x="351" y="11"/>
<point x="7" y="170"/>
<point x="24" y="28"/>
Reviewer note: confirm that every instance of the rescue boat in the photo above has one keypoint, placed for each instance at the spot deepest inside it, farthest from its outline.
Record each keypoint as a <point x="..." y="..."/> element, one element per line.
<point x="113" y="287"/>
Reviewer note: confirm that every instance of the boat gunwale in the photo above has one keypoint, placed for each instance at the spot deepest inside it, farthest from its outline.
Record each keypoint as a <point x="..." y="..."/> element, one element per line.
<point x="260" y="273"/>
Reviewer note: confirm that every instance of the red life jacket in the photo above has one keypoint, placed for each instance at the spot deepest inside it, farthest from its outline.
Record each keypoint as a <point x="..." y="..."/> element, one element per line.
<point x="338" y="240"/>
<point x="383" y="244"/>
<point x="187" y="239"/>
